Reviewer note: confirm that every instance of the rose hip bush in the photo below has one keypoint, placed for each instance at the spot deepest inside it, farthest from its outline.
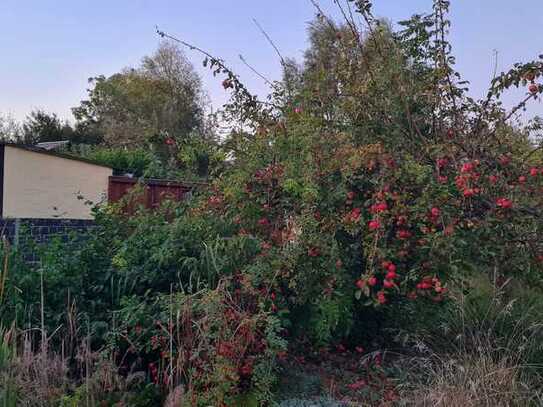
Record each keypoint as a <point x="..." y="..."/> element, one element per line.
<point x="219" y="345"/>
<point x="384" y="182"/>
<point x="368" y="184"/>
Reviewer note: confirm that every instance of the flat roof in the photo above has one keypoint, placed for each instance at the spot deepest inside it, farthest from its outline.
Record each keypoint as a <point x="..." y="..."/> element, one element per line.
<point x="39" y="150"/>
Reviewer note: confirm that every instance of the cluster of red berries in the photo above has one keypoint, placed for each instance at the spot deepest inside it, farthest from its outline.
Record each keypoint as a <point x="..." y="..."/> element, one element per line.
<point x="388" y="281"/>
<point x="465" y="182"/>
<point x="434" y="284"/>
<point x="391" y="274"/>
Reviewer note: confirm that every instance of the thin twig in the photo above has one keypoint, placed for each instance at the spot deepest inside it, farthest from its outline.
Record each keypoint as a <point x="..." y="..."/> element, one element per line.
<point x="261" y="76"/>
<point x="265" y="34"/>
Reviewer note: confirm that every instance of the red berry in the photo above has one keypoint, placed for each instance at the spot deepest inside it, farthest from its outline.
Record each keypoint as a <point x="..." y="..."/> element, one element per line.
<point x="355" y="214"/>
<point x="379" y="207"/>
<point x="391" y="267"/>
<point x="388" y="284"/>
<point x="372" y="281"/>
<point x="522" y="179"/>
<point x="534" y="172"/>
<point x="403" y="234"/>
<point x="435" y="212"/>
<point x="533" y="88"/>
<point x="504" y="203"/>
<point x="442" y="162"/>
<point x="374" y="224"/>
<point x="360" y="284"/>
<point x="391" y="275"/>
<point x="263" y="222"/>
<point x="467" y="167"/>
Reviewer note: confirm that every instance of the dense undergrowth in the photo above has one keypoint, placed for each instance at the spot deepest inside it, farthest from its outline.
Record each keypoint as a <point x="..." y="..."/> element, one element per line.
<point x="374" y="238"/>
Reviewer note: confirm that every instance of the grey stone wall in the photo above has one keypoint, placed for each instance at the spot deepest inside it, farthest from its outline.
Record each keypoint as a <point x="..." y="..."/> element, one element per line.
<point x="20" y="232"/>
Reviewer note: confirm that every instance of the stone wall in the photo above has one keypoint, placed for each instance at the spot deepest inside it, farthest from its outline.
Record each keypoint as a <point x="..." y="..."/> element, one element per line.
<point x="21" y="232"/>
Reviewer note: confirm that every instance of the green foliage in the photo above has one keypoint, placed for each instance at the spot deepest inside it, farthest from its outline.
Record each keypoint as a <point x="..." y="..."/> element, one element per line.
<point x="311" y="403"/>
<point x="191" y="159"/>
<point x="352" y="206"/>
<point x="41" y="126"/>
<point x="129" y="108"/>
<point x="138" y="162"/>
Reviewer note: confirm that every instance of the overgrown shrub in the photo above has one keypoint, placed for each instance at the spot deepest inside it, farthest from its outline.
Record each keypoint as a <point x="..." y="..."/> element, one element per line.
<point x="354" y="202"/>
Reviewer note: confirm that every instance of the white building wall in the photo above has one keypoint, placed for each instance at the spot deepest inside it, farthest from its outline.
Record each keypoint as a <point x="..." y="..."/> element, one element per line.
<point x="39" y="185"/>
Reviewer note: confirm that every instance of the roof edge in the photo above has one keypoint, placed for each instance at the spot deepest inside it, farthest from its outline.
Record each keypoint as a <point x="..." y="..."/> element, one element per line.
<point x="34" y="149"/>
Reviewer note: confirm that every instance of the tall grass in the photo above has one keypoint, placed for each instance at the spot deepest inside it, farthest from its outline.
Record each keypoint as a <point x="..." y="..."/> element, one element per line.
<point x="487" y="351"/>
<point x="8" y="390"/>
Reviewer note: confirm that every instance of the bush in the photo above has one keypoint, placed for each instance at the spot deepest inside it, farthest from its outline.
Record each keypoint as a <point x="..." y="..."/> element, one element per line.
<point x="353" y="203"/>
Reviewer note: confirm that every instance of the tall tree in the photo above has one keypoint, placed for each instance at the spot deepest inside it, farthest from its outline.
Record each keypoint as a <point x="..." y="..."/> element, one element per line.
<point x="163" y="96"/>
<point x="41" y="126"/>
<point x="10" y="129"/>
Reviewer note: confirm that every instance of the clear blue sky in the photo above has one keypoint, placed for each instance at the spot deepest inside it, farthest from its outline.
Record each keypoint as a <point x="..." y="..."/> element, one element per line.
<point x="50" y="47"/>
